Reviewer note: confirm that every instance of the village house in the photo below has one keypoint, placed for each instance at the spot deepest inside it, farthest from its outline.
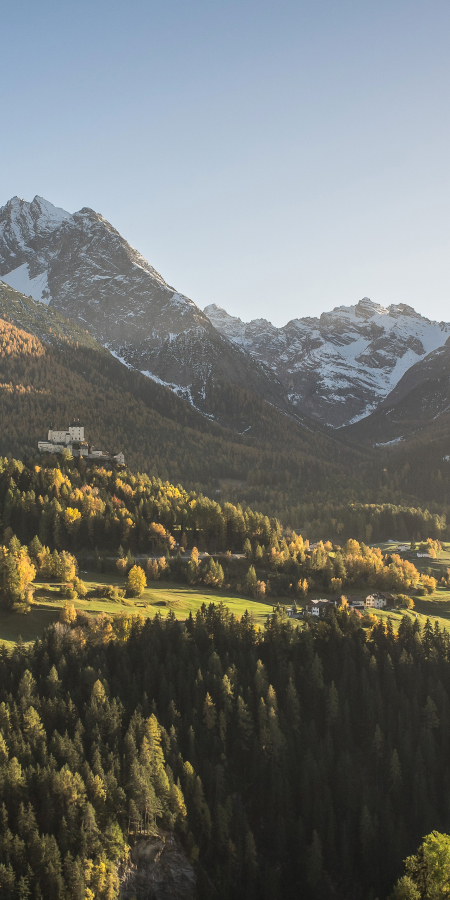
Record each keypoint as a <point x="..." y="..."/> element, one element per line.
<point x="356" y="602"/>
<point x="380" y="599"/>
<point x="318" y="607"/>
<point x="73" y="441"/>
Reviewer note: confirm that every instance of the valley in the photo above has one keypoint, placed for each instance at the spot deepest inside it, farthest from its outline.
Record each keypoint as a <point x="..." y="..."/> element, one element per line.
<point x="230" y="643"/>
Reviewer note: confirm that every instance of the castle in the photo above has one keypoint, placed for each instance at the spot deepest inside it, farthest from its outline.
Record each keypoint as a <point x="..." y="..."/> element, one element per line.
<point x="73" y="440"/>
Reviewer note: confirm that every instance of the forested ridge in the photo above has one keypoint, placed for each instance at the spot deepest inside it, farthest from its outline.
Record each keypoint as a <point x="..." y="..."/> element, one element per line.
<point x="60" y="505"/>
<point x="42" y="385"/>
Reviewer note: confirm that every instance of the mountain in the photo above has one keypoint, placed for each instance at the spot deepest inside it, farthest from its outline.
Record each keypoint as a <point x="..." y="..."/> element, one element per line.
<point x="418" y="406"/>
<point x="82" y="269"/>
<point x="332" y="371"/>
<point x="338" y="368"/>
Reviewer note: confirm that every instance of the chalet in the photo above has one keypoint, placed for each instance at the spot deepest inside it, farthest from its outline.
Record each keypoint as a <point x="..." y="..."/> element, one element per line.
<point x="318" y="607"/>
<point x="73" y="441"/>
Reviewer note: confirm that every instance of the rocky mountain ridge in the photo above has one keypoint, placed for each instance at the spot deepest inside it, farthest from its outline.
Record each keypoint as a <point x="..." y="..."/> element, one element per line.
<point x="418" y="406"/>
<point x="81" y="267"/>
<point x="338" y="368"/>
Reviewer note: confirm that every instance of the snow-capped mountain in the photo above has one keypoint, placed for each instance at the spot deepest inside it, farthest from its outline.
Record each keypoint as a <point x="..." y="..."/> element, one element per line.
<point x="337" y="368"/>
<point x="80" y="266"/>
<point x="340" y="367"/>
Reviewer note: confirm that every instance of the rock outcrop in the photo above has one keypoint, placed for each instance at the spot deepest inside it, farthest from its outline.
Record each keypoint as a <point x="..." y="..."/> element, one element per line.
<point x="158" y="870"/>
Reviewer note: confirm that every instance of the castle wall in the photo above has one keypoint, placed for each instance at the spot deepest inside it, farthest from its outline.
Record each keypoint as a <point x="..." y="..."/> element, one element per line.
<point x="59" y="437"/>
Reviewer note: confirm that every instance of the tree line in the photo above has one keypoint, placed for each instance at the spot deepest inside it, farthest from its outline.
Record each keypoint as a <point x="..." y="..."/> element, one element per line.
<point x="62" y="507"/>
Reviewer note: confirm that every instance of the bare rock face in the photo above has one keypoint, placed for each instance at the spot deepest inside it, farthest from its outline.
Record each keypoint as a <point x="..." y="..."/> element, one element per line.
<point x="158" y="870"/>
<point x="82" y="268"/>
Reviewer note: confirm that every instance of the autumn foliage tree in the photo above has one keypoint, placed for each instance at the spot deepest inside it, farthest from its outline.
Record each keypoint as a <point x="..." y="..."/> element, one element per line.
<point x="136" y="581"/>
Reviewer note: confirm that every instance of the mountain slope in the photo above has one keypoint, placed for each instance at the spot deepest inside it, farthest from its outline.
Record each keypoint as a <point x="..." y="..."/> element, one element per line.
<point x="419" y="405"/>
<point x="82" y="268"/>
<point x="339" y="367"/>
<point x="42" y="321"/>
<point x="277" y="462"/>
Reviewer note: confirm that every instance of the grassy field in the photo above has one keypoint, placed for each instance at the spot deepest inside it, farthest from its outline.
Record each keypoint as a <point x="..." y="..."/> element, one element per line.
<point x="14" y="626"/>
<point x="158" y="598"/>
<point x="162" y="598"/>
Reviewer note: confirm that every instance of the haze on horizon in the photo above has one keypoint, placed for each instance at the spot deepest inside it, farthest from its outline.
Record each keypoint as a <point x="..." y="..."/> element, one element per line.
<point x="278" y="159"/>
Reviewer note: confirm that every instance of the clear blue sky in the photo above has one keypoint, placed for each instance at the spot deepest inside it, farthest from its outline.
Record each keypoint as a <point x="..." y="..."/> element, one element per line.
<point x="277" y="158"/>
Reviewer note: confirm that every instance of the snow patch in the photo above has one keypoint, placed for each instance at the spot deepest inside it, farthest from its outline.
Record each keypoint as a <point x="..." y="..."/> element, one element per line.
<point x="36" y="287"/>
<point x="389" y="443"/>
<point x="119" y="358"/>
<point x="155" y="378"/>
<point x="50" y="217"/>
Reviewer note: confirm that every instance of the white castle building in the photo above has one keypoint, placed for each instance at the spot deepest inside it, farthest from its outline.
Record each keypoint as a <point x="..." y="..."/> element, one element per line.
<point x="73" y="440"/>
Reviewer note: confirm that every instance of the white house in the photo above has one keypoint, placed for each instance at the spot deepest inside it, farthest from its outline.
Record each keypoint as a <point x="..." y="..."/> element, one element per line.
<point x="378" y="600"/>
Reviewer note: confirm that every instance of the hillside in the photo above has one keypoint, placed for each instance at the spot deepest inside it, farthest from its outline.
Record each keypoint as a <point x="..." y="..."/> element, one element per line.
<point x="277" y="462"/>
<point x="410" y="433"/>
<point x="207" y="730"/>
<point x="285" y="762"/>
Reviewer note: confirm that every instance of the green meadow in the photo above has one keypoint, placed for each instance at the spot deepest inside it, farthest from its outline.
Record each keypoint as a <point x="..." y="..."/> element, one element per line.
<point x="159" y="598"/>
<point x="162" y="598"/>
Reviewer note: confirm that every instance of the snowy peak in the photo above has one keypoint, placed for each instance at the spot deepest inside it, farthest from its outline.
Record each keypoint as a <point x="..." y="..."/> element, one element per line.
<point x="46" y="215"/>
<point x="25" y="219"/>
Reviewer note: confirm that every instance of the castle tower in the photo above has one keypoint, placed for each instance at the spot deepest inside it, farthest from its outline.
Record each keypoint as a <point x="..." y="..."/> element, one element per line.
<point x="76" y="431"/>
